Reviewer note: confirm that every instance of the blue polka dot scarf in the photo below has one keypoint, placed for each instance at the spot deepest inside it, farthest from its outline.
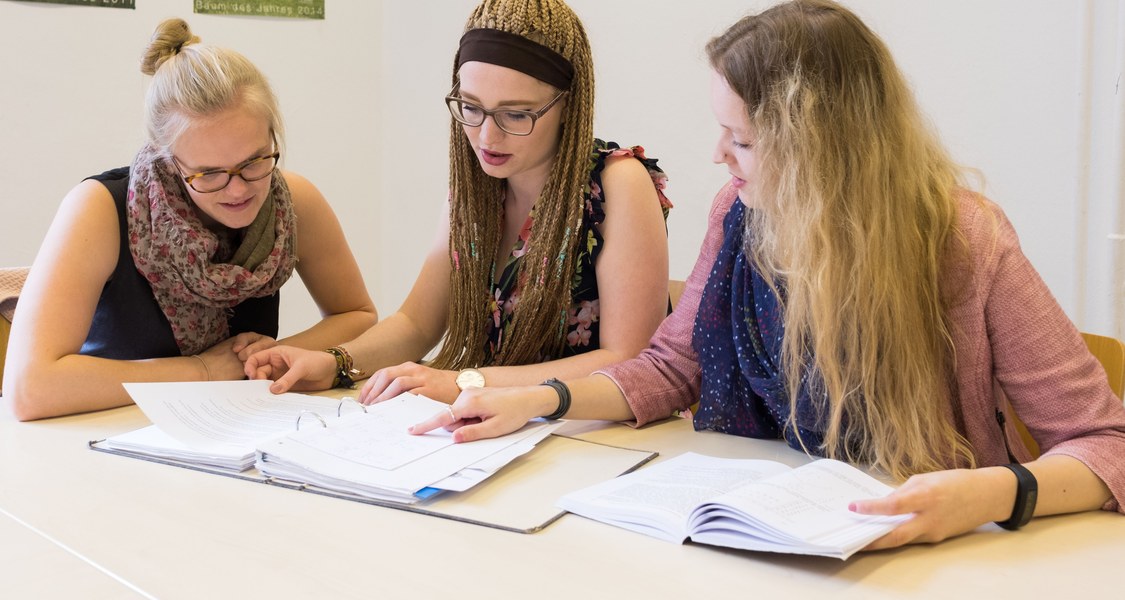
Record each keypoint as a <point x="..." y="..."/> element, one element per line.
<point x="738" y="334"/>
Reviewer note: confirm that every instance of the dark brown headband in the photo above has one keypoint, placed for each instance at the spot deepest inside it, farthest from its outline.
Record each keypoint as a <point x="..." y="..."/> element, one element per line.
<point x="516" y="52"/>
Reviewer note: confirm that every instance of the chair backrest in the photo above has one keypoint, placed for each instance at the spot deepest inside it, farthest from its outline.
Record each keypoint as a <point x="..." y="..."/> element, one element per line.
<point x="1110" y="352"/>
<point x="675" y="290"/>
<point x="5" y="329"/>
<point x="11" y="282"/>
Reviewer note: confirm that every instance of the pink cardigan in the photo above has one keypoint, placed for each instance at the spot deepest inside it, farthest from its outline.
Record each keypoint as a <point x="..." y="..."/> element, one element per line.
<point x="1013" y="341"/>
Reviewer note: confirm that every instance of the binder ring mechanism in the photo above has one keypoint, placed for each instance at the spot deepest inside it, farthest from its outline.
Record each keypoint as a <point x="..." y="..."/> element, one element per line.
<point x="345" y="399"/>
<point x="339" y="412"/>
<point x="304" y="413"/>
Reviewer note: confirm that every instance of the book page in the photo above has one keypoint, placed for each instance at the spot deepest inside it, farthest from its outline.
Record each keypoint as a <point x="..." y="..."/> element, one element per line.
<point x="217" y="415"/>
<point x="807" y="505"/>
<point x="657" y="500"/>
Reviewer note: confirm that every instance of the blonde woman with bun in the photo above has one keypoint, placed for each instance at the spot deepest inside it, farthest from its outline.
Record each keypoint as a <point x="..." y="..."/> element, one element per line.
<point x="169" y="269"/>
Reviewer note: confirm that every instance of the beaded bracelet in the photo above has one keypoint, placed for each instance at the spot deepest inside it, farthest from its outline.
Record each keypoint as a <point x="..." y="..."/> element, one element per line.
<point x="346" y="373"/>
<point x="564" y="398"/>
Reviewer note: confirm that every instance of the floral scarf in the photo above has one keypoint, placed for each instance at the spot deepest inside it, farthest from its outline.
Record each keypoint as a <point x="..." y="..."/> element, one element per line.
<point x="197" y="275"/>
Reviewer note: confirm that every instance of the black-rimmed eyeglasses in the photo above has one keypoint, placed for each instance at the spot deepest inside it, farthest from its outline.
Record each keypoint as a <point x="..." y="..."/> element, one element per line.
<point x="207" y="182"/>
<point x="511" y="121"/>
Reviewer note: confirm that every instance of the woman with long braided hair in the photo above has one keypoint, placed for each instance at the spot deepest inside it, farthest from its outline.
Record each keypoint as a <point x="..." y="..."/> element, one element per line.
<point x="554" y="247"/>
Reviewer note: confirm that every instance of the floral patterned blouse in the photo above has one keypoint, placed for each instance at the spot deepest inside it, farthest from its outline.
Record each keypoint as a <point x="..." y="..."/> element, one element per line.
<point x="583" y="318"/>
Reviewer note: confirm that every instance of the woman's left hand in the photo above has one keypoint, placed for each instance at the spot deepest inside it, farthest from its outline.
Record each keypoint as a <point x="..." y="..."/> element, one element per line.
<point x="410" y="377"/>
<point x="247" y="343"/>
<point x="944" y="504"/>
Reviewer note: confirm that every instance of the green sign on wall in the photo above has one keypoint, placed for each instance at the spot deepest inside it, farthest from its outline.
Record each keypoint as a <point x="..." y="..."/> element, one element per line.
<point x="296" y="9"/>
<point x="130" y="4"/>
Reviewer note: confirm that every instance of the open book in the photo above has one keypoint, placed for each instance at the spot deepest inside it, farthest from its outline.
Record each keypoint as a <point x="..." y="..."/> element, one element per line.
<point x="742" y="503"/>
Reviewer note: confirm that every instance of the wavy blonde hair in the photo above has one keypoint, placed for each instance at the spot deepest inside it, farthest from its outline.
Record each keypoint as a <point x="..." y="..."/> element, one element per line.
<point x="476" y="205"/>
<point x="854" y="217"/>
<point x="193" y="81"/>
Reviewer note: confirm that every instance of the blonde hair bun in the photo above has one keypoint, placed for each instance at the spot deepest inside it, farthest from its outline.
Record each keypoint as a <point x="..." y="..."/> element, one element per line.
<point x="169" y="38"/>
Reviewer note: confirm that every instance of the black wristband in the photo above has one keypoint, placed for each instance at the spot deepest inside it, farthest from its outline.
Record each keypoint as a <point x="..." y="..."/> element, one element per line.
<point x="1027" y="492"/>
<point x="564" y="398"/>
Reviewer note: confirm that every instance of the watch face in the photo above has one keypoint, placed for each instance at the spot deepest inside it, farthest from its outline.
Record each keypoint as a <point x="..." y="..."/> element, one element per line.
<point x="470" y="378"/>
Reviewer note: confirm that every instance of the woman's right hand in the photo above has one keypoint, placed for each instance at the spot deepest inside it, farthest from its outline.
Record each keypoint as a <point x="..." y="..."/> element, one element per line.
<point x="222" y="362"/>
<point x="292" y="368"/>
<point x="491" y="412"/>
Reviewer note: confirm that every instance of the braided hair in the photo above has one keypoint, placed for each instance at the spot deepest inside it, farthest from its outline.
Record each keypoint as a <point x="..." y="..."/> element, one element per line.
<point x="476" y="205"/>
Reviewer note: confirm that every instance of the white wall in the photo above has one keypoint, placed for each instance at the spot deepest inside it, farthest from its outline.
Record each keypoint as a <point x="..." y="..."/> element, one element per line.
<point x="71" y="96"/>
<point x="1024" y="90"/>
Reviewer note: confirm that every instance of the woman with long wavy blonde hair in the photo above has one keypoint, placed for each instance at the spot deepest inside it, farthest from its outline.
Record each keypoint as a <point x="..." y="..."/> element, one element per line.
<point x="855" y="300"/>
<point x="553" y="257"/>
<point x="855" y="241"/>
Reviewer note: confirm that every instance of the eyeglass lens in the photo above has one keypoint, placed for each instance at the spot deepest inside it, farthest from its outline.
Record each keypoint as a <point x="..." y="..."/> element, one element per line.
<point x="515" y="122"/>
<point x="254" y="170"/>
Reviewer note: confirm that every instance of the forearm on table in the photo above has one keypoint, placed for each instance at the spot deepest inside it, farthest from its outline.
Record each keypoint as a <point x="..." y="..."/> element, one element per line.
<point x="591" y="398"/>
<point x="1066" y="485"/>
<point x="77" y="383"/>
<point x="597" y="397"/>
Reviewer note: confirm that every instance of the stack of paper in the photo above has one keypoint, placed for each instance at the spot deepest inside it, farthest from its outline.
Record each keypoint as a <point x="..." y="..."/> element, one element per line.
<point x="371" y="455"/>
<point x="215" y="424"/>
<point x="235" y="425"/>
<point x="152" y="441"/>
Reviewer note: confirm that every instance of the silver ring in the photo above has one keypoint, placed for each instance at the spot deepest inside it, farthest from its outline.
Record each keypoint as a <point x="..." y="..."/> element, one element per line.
<point x="452" y="415"/>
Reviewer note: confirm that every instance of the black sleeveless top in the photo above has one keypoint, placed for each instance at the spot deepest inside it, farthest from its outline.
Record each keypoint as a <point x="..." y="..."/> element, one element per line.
<point x="128" y="323"/>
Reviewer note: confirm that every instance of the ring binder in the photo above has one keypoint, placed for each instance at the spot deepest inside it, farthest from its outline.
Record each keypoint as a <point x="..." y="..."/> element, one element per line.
<point x="340" y="406"/>
<point x="323" y="423"/>
<point x="370" y="457"/>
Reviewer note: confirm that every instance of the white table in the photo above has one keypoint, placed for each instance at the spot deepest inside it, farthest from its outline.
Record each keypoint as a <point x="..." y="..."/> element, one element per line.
<point x="36" y="566"/>
<point x="176" y="533"/>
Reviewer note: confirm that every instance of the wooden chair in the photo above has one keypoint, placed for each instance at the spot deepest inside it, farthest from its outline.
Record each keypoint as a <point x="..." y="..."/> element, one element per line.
<point x="675" y="290"/>
<point x="11" y="282"/>
<point x="1111" y="353"/>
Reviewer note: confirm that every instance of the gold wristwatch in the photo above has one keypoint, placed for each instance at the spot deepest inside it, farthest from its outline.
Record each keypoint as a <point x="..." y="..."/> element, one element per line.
<point x="470" y="378"/>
